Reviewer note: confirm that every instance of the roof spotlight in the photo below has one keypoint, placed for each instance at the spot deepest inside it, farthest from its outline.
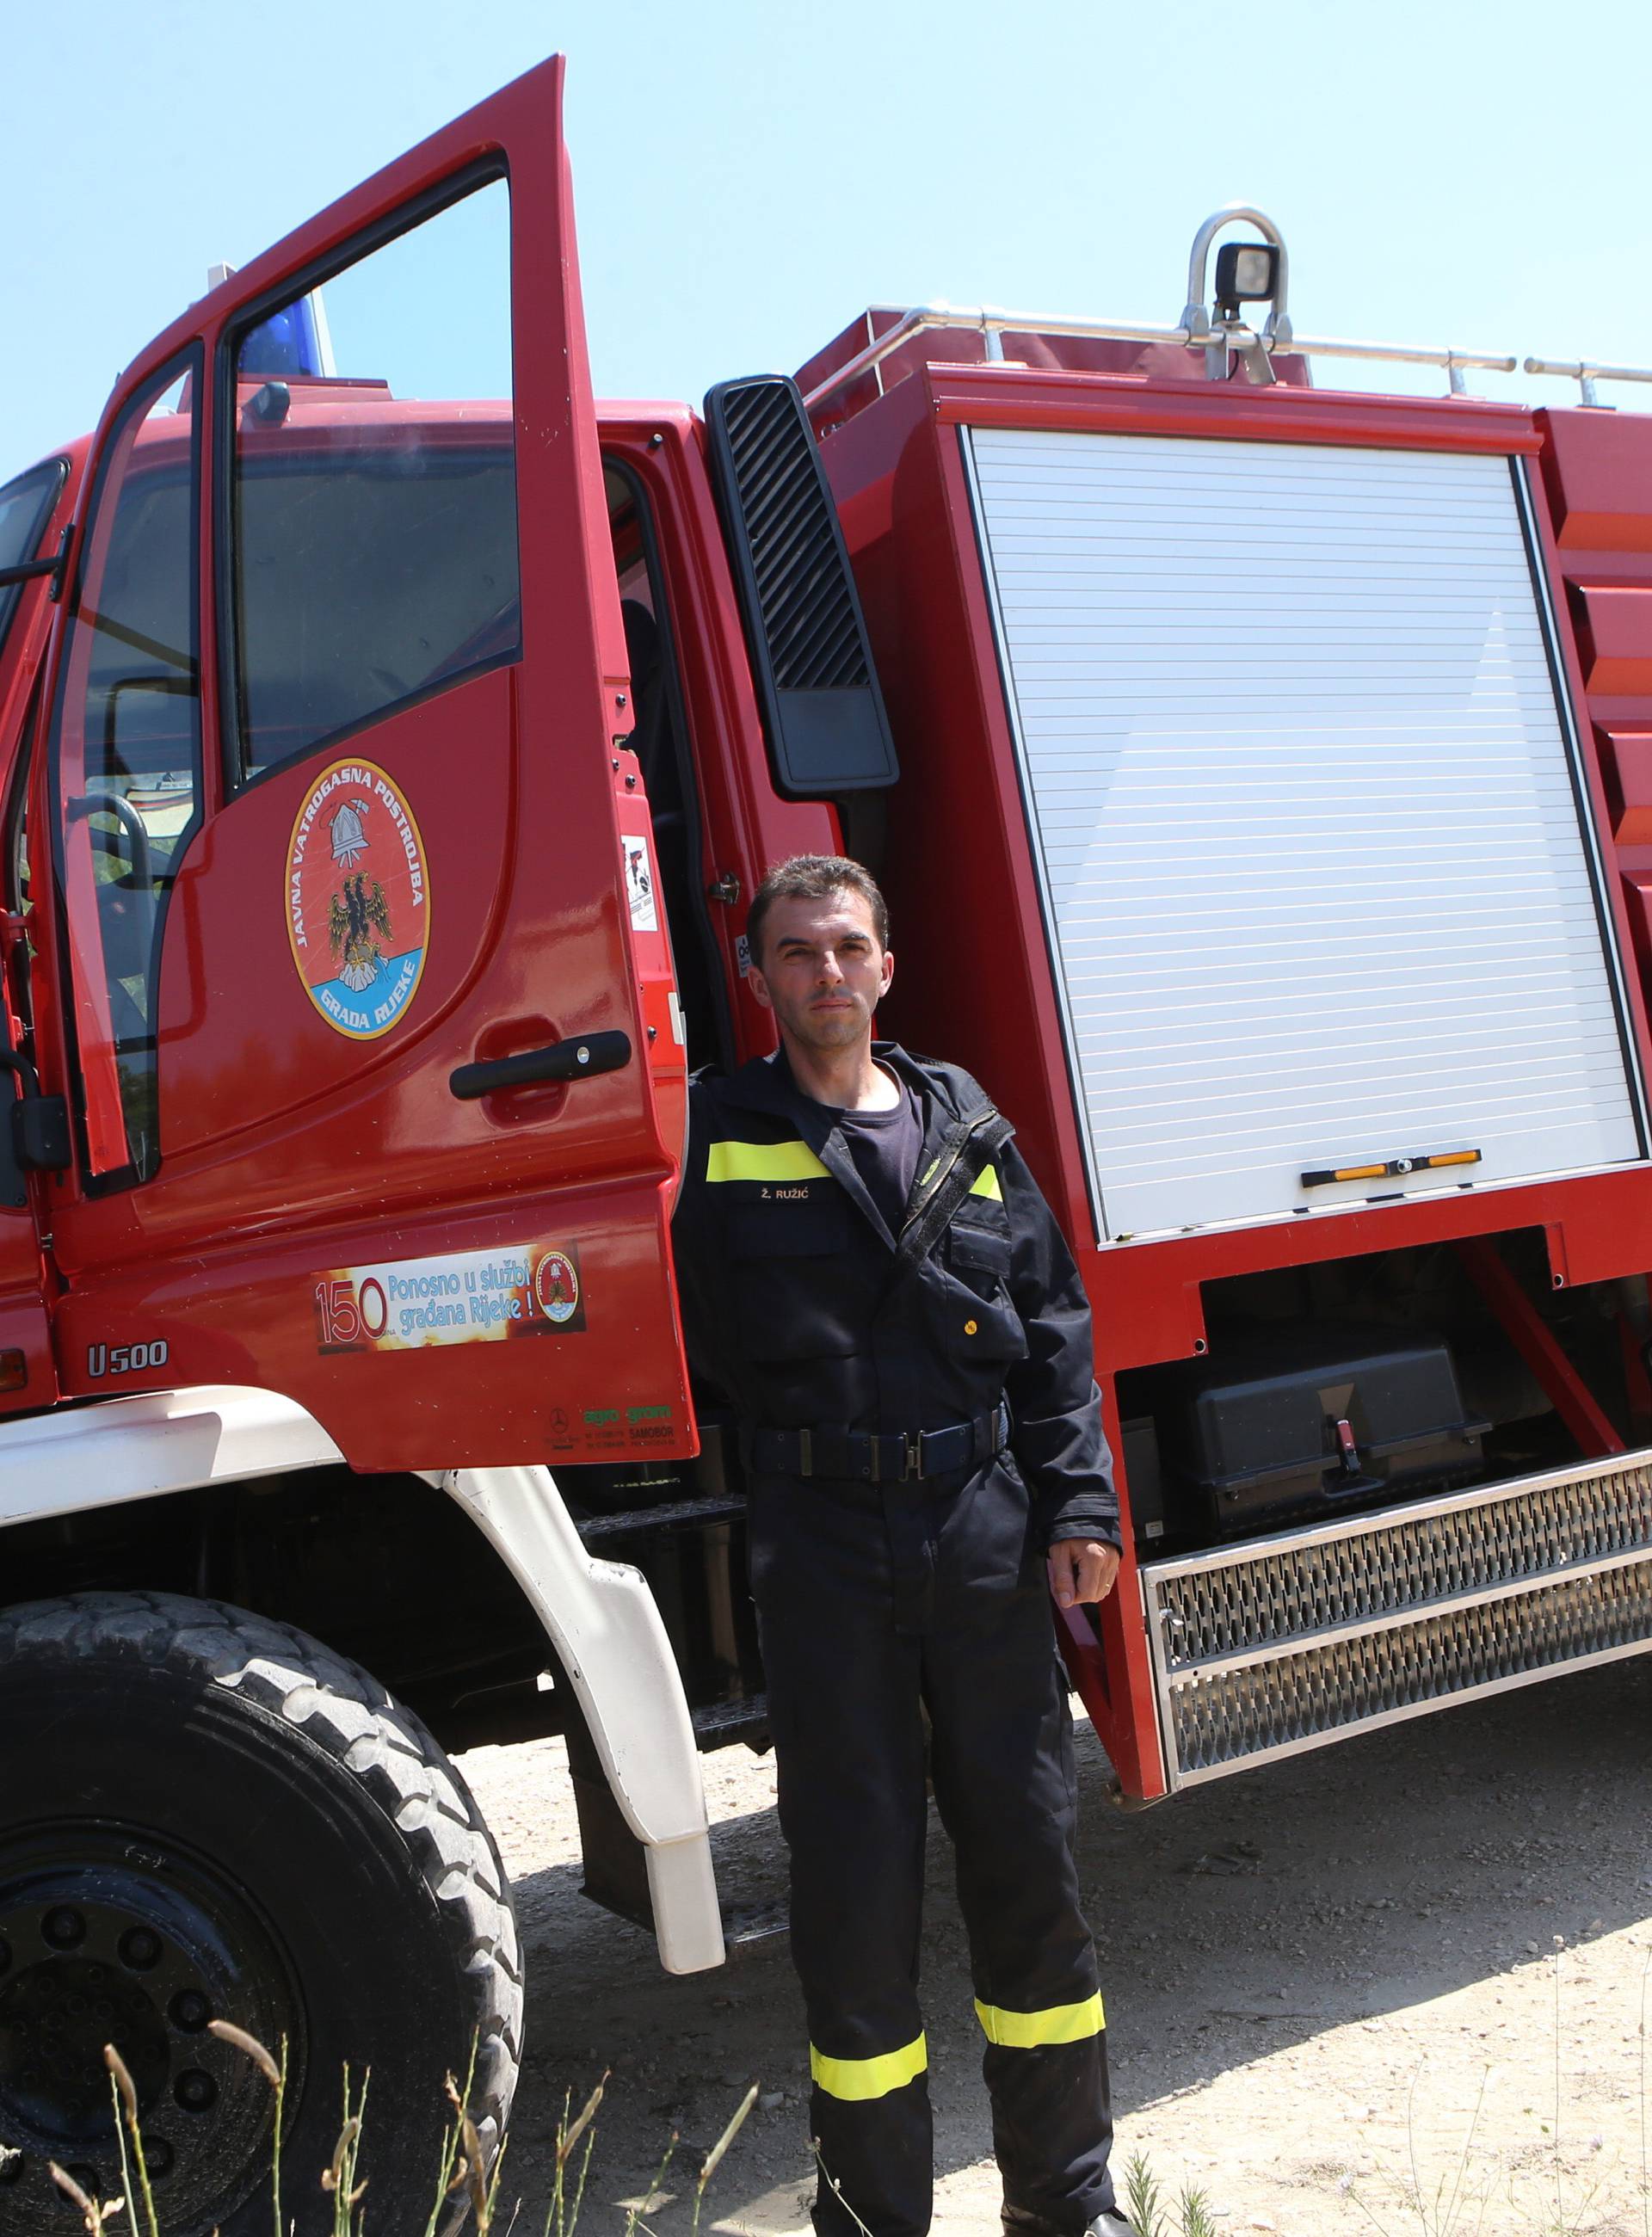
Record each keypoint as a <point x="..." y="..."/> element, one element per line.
<point x="1247" y="271"/>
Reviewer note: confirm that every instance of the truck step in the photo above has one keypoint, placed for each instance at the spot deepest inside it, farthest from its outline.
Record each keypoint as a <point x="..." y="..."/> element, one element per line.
<point x="1291" y="1641"/>
<point x="718" y="1724"/>
<point x="598" y="1526"/>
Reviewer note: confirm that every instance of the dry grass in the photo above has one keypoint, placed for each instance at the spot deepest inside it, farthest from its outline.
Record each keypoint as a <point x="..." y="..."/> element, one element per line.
<point x="467" y="2188"/>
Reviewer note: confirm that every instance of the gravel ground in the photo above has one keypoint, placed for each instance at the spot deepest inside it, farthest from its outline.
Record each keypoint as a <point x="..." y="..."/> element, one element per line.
<point x="1411" y="1964"/>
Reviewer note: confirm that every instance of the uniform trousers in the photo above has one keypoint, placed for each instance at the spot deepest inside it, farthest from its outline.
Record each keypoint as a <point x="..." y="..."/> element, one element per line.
<point x="876" y="1604"/>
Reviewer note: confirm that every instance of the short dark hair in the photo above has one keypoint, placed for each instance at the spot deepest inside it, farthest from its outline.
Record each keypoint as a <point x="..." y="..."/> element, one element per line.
<point x="814" y="878"/>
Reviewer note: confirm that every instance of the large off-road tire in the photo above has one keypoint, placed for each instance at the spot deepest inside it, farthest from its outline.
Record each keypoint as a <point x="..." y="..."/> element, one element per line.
<point x="206" y="1815"/>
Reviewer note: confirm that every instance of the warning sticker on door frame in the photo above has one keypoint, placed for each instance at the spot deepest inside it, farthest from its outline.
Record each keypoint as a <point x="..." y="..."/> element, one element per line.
<point x="639" y="881"/>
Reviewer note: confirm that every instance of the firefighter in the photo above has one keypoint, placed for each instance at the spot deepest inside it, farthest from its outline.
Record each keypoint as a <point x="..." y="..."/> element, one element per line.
<point x="871" y="1280"/>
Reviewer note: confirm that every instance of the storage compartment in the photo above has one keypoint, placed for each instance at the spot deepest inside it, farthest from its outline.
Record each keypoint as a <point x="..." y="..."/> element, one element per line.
<point x="1307" y="830"/>
<point x="1296" y="1421"/>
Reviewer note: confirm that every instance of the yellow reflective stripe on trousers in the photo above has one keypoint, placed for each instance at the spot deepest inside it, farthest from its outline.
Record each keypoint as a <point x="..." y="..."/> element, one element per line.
<point x="764" y="1161"/>
<point x="1028" y="2030"/>
<point x="986" y="1183"/>
<point x="856" y="2079"/>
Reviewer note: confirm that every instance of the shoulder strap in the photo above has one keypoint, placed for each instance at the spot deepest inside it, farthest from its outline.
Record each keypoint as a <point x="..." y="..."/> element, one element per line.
<point x="965" y="1149"/>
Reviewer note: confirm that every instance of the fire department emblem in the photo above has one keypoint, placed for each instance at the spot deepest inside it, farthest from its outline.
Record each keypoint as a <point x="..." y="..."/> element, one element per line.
<point x="358" y="899"/>
<point x="349" y="834"/>
<point x="556" y="1286"/>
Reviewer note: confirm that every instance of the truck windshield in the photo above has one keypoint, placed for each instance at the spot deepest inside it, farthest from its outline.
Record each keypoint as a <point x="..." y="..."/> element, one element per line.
<point x="25" y="507"/>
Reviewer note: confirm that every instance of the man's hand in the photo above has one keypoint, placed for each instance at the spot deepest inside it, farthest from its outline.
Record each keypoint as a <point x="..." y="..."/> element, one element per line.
<point x="1081" y="1570"/>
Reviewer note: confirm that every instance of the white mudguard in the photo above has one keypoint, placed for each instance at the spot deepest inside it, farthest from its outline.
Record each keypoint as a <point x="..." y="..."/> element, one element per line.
<point x="141" y="1448"/>
<point x="609" y="1638"/>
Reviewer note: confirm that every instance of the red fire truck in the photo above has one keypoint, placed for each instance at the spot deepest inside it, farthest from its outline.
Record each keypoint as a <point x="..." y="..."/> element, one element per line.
<point x="1261" y="776"/>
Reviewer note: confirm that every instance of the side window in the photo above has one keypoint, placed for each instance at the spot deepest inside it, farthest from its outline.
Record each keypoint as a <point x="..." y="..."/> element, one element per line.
<point x="126" y="756"/>
<point x="375" y="552"/>
<point x="25" y="507"/>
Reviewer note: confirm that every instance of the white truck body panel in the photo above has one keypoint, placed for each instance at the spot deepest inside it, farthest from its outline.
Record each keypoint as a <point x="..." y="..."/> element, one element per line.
<point x="141" y="1448"/>
<point x="1306" y="808"/>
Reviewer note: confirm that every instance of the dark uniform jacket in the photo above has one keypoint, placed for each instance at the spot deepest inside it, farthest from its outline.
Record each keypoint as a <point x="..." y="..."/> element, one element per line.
<point x="800" y="1311"/>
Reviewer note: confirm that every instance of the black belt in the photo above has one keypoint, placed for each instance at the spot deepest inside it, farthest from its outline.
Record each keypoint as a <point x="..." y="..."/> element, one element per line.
<point x="868" y="1456"/>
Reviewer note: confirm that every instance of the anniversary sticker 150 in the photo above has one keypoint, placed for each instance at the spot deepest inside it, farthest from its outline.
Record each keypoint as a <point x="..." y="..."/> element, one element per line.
<point x="468" y="1297"/>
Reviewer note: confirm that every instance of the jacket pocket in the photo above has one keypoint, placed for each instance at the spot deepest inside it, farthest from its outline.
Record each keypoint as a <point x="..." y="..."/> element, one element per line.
<point x="970" y="1293"/>
<point x="796" y="1293"/>
<point x="980" y="1258"/>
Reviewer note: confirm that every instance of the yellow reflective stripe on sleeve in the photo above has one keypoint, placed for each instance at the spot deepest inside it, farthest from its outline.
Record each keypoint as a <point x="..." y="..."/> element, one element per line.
<point x="856" y="2080"/>
<point x="764" y="1161"/>
<point x="1028" y="2030"/>
<point x="987" y="1184"/>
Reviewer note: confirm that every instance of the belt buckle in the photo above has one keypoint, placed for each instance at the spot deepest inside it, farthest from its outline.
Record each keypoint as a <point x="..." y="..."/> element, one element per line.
<point x="911" y="1454"/>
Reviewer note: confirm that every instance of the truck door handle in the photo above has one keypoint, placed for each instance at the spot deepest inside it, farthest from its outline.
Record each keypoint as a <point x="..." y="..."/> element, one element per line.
<point x="577" y="1057"/>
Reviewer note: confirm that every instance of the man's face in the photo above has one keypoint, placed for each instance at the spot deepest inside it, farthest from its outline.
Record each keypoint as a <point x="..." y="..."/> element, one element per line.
<point x="823" y="973"/>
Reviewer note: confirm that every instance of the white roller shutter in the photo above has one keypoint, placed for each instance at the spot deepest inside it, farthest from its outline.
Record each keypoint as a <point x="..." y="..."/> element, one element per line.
<point x="1305" y="817"/>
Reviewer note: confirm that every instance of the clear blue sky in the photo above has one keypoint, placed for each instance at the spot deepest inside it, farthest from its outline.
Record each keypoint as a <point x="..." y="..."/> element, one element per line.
<point x="749" y="174"/>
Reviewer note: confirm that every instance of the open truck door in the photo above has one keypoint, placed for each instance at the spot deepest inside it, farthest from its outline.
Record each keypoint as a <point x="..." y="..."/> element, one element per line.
<point x="364" y="1011"/>
<point x="34" y="507"/>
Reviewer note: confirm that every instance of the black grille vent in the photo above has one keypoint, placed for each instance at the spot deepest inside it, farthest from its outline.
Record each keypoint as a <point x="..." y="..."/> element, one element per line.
<point x="808" y="608"/>
<point x="822" y="709"/>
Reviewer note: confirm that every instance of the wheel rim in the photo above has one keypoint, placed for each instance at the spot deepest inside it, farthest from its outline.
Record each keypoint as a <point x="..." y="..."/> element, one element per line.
<point x="108" y="1935"/>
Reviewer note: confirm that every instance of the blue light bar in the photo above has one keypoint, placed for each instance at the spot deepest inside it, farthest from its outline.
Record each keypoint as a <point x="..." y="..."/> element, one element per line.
<point x="293" y="341"/>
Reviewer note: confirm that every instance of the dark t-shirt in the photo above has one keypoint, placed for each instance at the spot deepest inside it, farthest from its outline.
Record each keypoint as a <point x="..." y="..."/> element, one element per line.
<point x="884" y="1146"/>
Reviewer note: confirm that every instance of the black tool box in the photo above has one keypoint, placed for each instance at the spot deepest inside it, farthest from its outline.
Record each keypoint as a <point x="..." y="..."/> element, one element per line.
<point x="1292" y="1422"/>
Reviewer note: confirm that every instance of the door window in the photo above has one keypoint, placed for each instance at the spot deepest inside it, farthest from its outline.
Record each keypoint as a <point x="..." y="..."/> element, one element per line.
<point x="125" y="756"/>
<point x="375" y="556"/>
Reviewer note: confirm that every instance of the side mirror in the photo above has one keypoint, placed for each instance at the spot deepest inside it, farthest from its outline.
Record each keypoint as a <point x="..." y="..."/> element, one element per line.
<point x="40" y="1140"/>
<point x="26" y="570"/>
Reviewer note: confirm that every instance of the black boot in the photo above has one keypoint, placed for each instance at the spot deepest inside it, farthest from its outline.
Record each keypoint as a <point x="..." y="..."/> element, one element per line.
<point x="1110" y="2222"/>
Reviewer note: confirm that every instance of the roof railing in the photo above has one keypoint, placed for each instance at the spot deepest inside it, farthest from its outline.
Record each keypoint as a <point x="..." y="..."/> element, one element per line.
<point x="1228" y="335"/>
<point x="1221" y="335"/>
<point x="1586" y="373"/>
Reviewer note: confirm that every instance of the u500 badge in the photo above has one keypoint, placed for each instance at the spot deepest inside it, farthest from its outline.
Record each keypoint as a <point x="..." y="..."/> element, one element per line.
<point x="103" y="1359"/>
